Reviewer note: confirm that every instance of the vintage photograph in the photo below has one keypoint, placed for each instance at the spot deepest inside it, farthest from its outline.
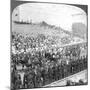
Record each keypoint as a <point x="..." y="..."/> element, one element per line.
<point x="49" y="45"/>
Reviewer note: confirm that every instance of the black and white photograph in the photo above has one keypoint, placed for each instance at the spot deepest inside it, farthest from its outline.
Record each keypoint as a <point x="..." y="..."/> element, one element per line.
<point x="49" y="45"/>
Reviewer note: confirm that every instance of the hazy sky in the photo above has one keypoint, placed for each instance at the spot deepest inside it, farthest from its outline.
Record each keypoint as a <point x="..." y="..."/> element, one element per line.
<point x="54" y="14"/>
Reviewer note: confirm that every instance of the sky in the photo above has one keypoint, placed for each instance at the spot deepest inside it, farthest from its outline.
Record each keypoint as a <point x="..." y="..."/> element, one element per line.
<point x="54" y="14"/>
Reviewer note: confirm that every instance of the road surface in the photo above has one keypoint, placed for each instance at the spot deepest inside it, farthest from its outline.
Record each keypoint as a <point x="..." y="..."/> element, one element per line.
<point x="76" y="77"/>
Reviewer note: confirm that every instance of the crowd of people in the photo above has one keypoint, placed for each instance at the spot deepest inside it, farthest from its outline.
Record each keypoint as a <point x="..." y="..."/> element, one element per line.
<point x="42" y="62"/>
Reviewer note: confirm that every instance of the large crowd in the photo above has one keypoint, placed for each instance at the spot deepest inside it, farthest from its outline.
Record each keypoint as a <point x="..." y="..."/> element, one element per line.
<point x="42" y="61"/>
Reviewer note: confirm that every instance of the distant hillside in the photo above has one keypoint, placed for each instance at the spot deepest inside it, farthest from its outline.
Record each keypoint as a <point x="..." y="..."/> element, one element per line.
<point x="80" y="30"/>
<point x="41" y="27"/>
